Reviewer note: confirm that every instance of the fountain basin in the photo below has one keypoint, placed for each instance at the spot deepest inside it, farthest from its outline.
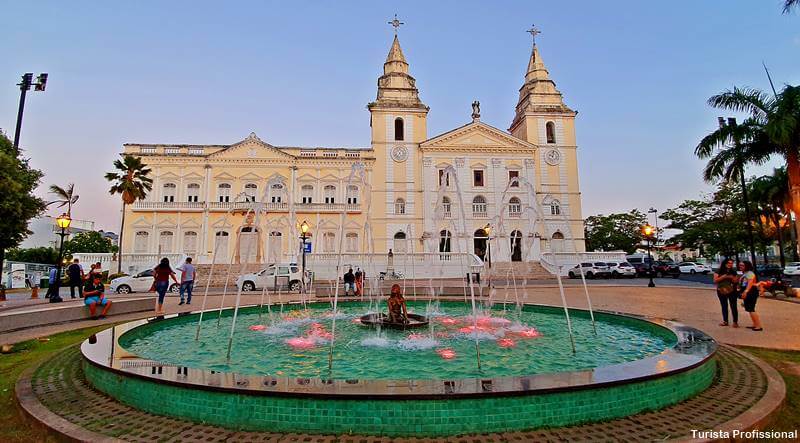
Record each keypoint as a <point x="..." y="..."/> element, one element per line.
<point x="415" y="321"/>
<point x="503" y="397"/>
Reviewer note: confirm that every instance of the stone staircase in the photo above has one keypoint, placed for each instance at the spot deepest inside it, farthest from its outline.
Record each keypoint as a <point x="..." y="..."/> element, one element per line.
<point x="530" y="270"/>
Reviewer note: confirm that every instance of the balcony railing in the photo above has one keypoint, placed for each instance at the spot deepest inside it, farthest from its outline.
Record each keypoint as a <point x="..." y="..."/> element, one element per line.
<point x="244" y="206"/>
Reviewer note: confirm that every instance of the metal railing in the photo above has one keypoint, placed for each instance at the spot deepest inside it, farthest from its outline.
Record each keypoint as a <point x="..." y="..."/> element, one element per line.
<point x="243" y="206"/>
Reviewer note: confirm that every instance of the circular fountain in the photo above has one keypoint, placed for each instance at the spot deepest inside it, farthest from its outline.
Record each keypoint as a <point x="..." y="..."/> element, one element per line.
<point x="497" y="369"/>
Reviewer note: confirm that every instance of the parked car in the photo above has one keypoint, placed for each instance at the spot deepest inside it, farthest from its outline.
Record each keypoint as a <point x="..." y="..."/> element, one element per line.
<point x="666" y="269"/>
<point x="288" y="275"/>
<point x="792" y="268"/>
<point x="141" y="282"/>
<point x="622" y="269"/>
<point x="688" y="267"/>
<point x="640" y="262"/>
<point x="769" y="270"/>
<point x="590" y="270"/>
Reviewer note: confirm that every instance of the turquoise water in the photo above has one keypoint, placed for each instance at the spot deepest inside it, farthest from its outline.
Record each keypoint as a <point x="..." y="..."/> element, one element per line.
<point x="295" y="342"/>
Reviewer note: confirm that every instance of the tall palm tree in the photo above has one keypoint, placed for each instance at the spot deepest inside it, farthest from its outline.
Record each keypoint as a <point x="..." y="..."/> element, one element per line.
<point x="64" y="197"/>
<point x="770" y="193"/>
<point x="787" y="7"/>
<point x="131" y="182"/>
<point x="772" y="128"/>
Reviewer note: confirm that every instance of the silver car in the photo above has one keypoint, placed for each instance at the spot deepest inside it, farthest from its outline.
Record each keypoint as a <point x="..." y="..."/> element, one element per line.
<point x="284" y="275"/>
<point x="621" y="269"/>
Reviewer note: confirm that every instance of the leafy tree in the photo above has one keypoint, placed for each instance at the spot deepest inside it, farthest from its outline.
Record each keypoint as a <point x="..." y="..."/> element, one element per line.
<point x="64" y="197"/>
<point x="130" y="180"/>
<point x="17" y="203"/>
<point x="614" y="232"/>
<point x="45" y="255"/>
<point x="89" y="242"/>
<point x="713" y="225"/>
<point x="771" y="194"/>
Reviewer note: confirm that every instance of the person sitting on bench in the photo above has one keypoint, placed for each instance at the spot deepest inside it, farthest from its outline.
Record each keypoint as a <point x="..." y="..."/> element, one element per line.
<point x="94" y="295"/>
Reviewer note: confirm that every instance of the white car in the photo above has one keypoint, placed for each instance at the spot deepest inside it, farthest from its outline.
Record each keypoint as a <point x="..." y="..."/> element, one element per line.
<point x="792" y="268"/>
<point x="141" y="282"/>
<point x="621" y="269"/>
<point x="688" y="267"/>
<point x="288" y="275"/>
<point x="590" y="270"/>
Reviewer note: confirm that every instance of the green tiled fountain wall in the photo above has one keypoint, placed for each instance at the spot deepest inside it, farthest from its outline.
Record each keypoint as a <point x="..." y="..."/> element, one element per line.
<point x="401" y="417"/>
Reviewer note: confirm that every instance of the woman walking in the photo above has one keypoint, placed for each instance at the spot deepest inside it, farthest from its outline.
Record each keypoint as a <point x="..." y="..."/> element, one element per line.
<point x="749" y="293"/>
<point x="726" y="280"/>
<point x="161" y="275"/>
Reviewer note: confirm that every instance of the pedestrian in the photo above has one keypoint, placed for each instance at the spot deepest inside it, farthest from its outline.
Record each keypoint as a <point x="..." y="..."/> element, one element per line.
<point x="359" y="281"/>
<point x="749" y="293"/>
<point x="727" y="280"/>
<point x="161" y="275"/>
<point x="76" y="275"/>
<point x="188" y="276"/>
<point x="349" y="282"/>
<point x="52" y="287"/>
<point x="95" y="295"/>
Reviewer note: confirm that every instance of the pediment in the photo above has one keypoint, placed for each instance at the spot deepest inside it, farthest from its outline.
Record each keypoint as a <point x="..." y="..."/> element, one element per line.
<point x="191" y="223"/>
<point x="352" y="225"/>
<point x="222" y="223"/>
<point x="168" y="222"/>
<point x="327" y="224"/>
<point x="476" y="135"/>
<point x="251" y="147"/>
<point x="250" y="176"/>
<point x="306" y="178"/>
<point x="224" y="176"/>
<point x="193" y="176"/>
<point x="168" y="176"/>
<point x="141" y="222"/>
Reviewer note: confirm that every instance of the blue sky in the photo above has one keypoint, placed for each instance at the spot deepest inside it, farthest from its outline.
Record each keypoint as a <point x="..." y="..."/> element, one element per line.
<point x="210" y="72"/>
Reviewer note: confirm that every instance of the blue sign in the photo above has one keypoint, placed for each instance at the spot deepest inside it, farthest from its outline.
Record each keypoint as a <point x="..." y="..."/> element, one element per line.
<point x="307" y="247"/>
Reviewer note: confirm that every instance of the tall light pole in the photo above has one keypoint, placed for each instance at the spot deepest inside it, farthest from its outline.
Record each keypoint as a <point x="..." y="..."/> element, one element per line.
<point x="24" y="87"/>
<point x="654" y="211"/>
<point x="648" y="232"/>
<point x="303" y="237"/>
<point x="62" y="221"/>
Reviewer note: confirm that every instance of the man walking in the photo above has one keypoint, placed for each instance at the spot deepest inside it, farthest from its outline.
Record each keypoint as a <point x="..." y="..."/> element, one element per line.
<point x="75" y="274"/>
<point x="188" y="274"/>
<point x="349" y="282"/>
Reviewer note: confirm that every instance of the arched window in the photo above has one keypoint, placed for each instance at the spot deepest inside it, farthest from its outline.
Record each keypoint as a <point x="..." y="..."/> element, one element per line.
<point x="516" y="245"/>
<point x="446" y="207"/>
<point x="352" y="194"/>
<point x="557" y="242"/>
<point x="224" y="192"/>
<point x="169" y="191"/>
<point x="399" y="206"/>
<point x="555" y="207"/>
<point x="165" y="242"/>
<point x="307" y="194"/>
<point x="400" y="243"/>
<point x="221" y="244"/>
<point x="141" y="241"/>
<point x="514" y="207"/>
<point x="329" y="242"/>
<point x="479" y="206"/>
<point x="351" y="242"/>
<point x="444" y="240"/>
<point x="329" y="192"/>
<point x="193" y="192"/>
<point x="398" y="129"/>
<point x="251" y="191"/>
<point x="550" y="129"/>
<point x="189" y="242"/>
<point x="276" y="193"/>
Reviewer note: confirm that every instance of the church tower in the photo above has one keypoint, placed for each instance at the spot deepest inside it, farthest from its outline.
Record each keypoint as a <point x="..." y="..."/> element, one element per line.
<point x="544" y="120"/>
<point x="398" y="126"/>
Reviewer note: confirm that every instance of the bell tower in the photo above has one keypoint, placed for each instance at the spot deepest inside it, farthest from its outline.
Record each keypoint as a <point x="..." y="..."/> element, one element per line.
<point x="544" y="120"/>
<point x="398" y="125"/>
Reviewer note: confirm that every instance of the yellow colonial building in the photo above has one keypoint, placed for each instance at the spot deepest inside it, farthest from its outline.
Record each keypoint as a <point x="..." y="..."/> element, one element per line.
<point x="409" y="191"/>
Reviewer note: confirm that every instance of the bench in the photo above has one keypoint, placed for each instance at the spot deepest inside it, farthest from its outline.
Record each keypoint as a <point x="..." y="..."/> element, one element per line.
<point x="48" y="314"/>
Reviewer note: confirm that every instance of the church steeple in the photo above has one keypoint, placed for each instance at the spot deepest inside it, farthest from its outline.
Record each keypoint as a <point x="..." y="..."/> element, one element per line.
<point x="396" y="87"/>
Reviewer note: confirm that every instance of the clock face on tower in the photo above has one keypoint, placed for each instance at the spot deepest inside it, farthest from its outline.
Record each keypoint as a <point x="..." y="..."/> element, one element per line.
<point x="399" y="154"/>
<point x="552" y="157"/>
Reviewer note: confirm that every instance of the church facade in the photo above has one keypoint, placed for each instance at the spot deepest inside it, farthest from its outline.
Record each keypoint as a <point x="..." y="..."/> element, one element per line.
<point x="409" y="191"/>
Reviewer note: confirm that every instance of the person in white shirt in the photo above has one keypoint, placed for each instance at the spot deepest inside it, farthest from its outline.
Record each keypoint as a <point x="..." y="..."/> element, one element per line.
<point x="188" y="275"/>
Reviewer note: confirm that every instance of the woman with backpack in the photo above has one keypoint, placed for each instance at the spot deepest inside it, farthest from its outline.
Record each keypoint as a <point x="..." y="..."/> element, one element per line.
<point x="726" y="280"/>
<point x="749" y="293"/>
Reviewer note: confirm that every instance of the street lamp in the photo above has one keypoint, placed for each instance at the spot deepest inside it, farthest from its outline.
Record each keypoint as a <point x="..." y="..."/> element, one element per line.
<point x="62" y="221"/>
<point x="303" y="237"/>
<point x="648" y="232"/>
<point x="24" y="87"/>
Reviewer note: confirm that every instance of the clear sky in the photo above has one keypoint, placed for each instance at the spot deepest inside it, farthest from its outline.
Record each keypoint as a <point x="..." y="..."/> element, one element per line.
<point x="211" y="72"/>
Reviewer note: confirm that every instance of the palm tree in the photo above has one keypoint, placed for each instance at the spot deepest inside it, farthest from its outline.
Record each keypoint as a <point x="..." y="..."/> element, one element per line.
<point x="772" y="128"/>
<point x="787" y="7"/>
<point x="64" y="196"/>
<point x="130" y="180"/>
<point x="770" y="192"/>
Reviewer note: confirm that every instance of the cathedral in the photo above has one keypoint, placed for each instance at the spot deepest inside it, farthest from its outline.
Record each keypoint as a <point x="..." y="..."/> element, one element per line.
<point x="409" y="191"/>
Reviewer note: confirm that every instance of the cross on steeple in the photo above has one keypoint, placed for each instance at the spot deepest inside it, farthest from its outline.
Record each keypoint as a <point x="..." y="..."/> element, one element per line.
<point x="534" y="31"/>
<point x="396" y="23"/>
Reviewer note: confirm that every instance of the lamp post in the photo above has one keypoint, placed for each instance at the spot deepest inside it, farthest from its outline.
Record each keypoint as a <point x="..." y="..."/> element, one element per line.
<point x="648" y="232"/>
<point x="303" y="237"/>
<point x="24" y="87"/>
<point x="62" y="221"/>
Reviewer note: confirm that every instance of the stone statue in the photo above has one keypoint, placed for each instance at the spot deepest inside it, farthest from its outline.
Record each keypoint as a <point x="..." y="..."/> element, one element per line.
<point x="476" y="110"/>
